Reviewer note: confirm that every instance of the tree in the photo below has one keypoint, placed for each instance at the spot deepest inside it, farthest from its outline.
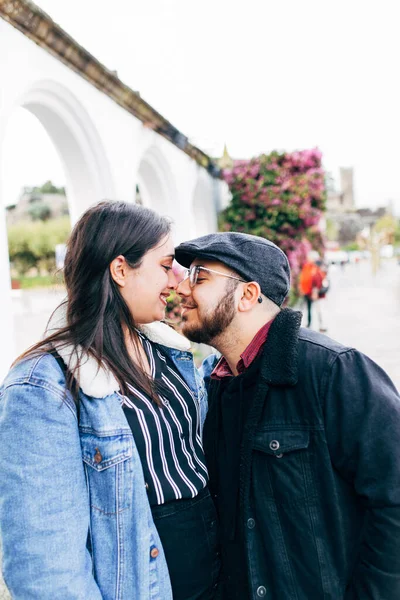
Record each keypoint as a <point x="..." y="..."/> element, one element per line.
<point x="49" y="188"/>
<point x="332" y="230"/>
<point x="387" y="226"/>
<point x="397" y="234"/>
<point x="279" y="196"/>
<point x="39" y="211"/>
<point x="349" y="228"/>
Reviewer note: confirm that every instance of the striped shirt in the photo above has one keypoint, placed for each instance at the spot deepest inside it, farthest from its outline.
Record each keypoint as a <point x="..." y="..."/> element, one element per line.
<point x="167" y="436"/>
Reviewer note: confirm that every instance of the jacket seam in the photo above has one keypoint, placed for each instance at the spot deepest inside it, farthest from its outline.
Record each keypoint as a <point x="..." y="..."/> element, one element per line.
<point x="289" y="425"/>
<point x="328" y="373"/>
<point x="33" y="367"/>
<point x="106" y="464"/>
<point x="44" y="386"/>
<point x="336" y="352"/>
<point x="281" y="450"/>
<point x="310" y="511"/>
<point x="105" y="433"/>
<point x="118" y="593"/>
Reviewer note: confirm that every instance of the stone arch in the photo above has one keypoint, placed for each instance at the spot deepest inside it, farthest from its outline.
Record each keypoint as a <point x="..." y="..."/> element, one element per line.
<point x="88" y="175"/>
<point x="156" y="183"/>
<point x="68" y="124"/>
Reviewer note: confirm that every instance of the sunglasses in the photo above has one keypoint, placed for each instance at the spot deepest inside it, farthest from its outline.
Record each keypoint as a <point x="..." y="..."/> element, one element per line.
<point x="194" y="271"/>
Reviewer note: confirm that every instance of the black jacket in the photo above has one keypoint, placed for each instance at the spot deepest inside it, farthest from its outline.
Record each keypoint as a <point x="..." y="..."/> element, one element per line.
<point x="319" y="471"/>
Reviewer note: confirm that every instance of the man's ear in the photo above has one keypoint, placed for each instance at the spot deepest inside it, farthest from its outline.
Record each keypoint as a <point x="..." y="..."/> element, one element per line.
<point x="119" y="270"/>
<point x="250" y="296"/>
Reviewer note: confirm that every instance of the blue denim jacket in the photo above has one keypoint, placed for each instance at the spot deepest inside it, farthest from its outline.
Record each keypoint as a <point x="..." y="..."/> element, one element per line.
<point x="75" y="520"/>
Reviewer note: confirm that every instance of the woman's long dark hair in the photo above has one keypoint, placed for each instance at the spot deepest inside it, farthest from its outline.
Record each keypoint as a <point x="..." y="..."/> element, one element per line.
<point x="97" y="315"/>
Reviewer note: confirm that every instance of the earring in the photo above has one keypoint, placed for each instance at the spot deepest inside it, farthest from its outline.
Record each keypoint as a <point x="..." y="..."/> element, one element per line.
<point x="259" y="299"/>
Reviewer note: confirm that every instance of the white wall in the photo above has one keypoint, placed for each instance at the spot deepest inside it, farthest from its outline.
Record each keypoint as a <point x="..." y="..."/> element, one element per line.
<point x="105" y="151"/>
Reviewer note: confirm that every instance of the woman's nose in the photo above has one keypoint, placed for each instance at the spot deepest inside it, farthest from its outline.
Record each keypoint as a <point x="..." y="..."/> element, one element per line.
<point x="172" y="280"/>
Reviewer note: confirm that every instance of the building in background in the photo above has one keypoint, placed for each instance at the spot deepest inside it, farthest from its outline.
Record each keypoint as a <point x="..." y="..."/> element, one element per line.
<point x="38" y="203"/>
<point x="346" y="223"/>
<point x="339" y="202"/>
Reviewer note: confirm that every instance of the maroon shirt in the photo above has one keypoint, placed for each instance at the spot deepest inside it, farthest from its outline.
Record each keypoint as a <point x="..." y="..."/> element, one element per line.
<point x="222" y="368"/>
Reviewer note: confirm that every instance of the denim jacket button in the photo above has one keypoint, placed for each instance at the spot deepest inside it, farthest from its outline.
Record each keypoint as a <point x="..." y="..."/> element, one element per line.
<point x="98" y="457"/>
<point x="261" y="591"/>
<point x="146" y="485"/>
<point x="251" y="523"/>
<point x="274" y="445"/>
<point x="154" y="552"/>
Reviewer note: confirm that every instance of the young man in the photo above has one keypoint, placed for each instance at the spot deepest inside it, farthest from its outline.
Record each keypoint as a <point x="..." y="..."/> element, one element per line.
<point x="302" y="436"/>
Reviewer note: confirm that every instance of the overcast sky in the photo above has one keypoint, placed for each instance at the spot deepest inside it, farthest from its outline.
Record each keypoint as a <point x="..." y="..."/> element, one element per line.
<point x="257" y="75"/>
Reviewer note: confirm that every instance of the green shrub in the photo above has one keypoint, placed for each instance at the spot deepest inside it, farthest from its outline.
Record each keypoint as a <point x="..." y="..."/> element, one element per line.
<point x="352" y="246"/>
<point x="40" y="211"/>
<point x="32" y="245"/>
<point x="41" y="281"/>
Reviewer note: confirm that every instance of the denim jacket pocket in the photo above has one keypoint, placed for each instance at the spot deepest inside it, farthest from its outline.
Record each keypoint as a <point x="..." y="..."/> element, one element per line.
<point x="108" y="471"/>
<point x="283" y="456"/>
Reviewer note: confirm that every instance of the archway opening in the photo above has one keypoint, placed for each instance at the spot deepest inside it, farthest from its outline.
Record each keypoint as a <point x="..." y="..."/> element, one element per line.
<point x="155" y="184"/>
<point x="203" y="207"/>
<point x="38" y="223"/>
<point x="61" y="124"/>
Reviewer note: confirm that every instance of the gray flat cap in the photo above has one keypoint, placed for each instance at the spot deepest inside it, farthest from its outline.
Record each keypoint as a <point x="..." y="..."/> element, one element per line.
<point x="253" y="257"/>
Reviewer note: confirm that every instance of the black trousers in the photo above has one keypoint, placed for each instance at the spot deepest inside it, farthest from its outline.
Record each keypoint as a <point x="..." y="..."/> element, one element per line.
<point x="189" y="534"/>
<point x="309" y="309"/>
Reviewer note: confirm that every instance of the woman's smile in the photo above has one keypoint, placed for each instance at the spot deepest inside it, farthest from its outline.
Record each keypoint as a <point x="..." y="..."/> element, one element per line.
<point x="164" y="298"/>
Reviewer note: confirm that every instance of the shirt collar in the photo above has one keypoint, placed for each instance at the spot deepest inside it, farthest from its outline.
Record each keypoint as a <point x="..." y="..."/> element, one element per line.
<point x="251" y="352"/>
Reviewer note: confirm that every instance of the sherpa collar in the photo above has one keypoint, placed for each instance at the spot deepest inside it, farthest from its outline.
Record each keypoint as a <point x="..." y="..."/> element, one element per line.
<point x="280" y="354"/>
<point x="99" y="381"/>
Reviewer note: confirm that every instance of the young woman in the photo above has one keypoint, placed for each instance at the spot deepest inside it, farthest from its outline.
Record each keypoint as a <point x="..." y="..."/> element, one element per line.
<point x="103" y="479"/>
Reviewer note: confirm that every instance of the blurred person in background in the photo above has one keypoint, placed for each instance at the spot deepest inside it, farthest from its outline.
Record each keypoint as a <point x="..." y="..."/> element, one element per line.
<point x="310" y="283"/>
<point x="104" y="487"/>
<point x="301" y="436"/>
<point x="322" y="291"/>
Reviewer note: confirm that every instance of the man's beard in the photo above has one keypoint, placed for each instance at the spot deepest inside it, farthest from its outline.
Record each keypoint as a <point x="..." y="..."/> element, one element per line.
<point x="213" y="324"/>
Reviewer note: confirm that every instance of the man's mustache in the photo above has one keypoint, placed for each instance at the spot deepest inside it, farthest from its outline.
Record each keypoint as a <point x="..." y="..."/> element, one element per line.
<point x="186" y="305"/>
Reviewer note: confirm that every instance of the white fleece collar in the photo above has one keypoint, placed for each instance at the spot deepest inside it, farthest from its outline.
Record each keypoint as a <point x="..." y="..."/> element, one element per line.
<point x="99" y="381"/>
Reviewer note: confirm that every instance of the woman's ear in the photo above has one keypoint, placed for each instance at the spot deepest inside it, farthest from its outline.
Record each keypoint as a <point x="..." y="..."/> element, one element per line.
<point x="119" y="270"/>
<point x="250" y="296"/>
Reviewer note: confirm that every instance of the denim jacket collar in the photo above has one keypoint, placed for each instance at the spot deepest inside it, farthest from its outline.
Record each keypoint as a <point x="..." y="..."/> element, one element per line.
<point x="98" y="381"/>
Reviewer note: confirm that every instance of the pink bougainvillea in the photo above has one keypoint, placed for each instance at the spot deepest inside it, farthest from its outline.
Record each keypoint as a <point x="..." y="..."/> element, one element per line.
<point x="279" y="196"/>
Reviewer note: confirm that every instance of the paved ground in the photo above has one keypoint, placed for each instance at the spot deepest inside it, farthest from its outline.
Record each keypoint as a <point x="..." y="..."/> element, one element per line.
<point x="361" y="310"/>
<point x="32" y="309"/>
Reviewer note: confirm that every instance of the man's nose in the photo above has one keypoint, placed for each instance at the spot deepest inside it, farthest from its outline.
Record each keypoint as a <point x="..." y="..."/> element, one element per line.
<point x="183" y="288"/>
